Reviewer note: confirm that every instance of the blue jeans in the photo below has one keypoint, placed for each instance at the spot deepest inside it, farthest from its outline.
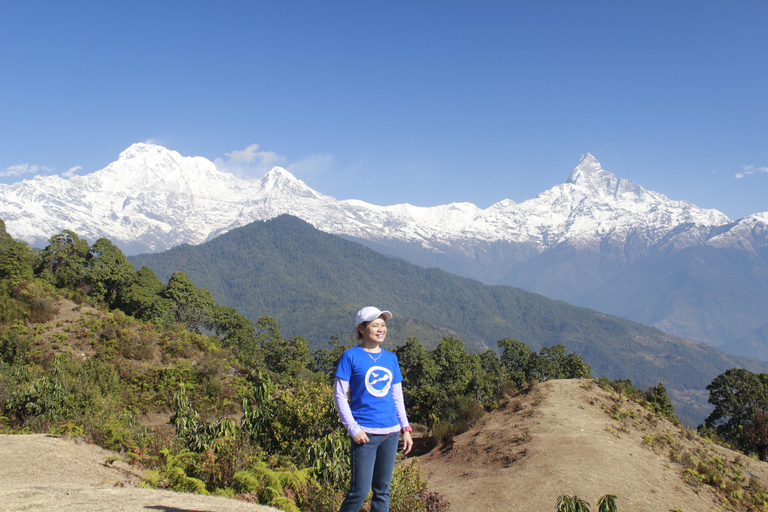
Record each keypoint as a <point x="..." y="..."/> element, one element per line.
<point x="372" y="465"/>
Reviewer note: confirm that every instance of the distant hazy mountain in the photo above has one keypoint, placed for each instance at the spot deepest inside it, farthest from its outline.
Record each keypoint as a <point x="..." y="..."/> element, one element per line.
<point x="312" y="283"/>
<point x="596" y="240"/>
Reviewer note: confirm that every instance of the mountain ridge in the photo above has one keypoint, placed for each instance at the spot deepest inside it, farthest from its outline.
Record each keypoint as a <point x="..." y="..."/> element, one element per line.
<point x="169" y="176"/>
<point x="571" y="242"/>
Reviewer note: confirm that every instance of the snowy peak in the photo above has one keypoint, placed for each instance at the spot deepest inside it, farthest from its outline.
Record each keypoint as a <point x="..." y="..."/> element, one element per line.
<point x="590" y="175"/>
<point x="588" y="171"/>
<point x="279" y="181"/>
<point x="154" y="198"/>
<point x="144" y="150"/>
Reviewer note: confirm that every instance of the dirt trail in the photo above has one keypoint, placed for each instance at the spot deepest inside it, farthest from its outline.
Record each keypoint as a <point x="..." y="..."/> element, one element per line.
<point x="558" y="439"/>
<point x="40" y="473"/>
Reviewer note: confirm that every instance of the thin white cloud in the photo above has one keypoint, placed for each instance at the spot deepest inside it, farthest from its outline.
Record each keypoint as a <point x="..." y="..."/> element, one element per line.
<point x="312" y="165"/>
<point x="22" y="169"/>
<point x="252" y="154"/>
<point x="249" y="162"/>
<point x="750" y="169"/>
<point x="71" y="172"/>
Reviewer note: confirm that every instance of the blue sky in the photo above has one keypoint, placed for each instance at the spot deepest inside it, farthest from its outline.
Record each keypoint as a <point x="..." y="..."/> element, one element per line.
<point x="425" y="102"/>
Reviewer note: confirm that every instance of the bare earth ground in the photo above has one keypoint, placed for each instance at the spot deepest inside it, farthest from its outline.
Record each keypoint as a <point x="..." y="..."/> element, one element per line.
<point x="557" y="439"/>
<point x="40" y="473"/>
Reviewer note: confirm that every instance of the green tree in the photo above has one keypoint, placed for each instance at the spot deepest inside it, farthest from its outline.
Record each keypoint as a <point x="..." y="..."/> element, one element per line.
<point x="280" y="355"/>
<point x="325" y="360"/>
<point x="659" y="399"/>
<point x="517" y="360"/>
<point x="551" y="362"/>
<point x="236" y="331"/>
<point x="420" y="374"/>
<point x="15" y="261"/>
<point x="574" y="367"/>
<point x="142" y="296"/>
<point x="452" y="395"/>
<point x="455" y="366"/>
<point x="191" y="306"/>
<point x="107" y="270"/>
<point x="487" y="380"/>
<point x="64" y="259"/>
<point x="757" y="434"/>
<point x="738" y="395"/>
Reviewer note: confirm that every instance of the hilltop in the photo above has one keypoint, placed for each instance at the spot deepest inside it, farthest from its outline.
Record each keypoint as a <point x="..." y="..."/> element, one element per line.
<point x="573" y="437"/>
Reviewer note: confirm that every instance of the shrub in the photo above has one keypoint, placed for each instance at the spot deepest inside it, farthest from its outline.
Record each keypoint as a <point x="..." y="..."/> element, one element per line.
<point x="409" y="491"/>
<point x="14" y="346"/>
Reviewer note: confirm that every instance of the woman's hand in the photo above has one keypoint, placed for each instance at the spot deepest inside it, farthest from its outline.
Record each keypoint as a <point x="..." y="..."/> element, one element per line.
<point x="407" y="442"/>
<point x="361" y="437"/>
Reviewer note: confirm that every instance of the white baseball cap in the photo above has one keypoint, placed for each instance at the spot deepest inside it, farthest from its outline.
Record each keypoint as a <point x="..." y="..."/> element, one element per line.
<point x="370" y="313"/>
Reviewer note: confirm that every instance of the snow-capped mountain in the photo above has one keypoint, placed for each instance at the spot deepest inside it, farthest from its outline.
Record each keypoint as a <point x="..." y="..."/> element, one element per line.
<point x="595" y="240"/>
<point x="152" y="199"/>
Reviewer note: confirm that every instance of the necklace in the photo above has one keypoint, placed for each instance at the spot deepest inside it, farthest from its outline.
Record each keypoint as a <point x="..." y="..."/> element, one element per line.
<point x="375" y="359"/>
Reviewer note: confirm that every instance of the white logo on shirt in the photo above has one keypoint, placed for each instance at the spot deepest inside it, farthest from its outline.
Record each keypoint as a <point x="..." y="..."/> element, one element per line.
<point x="378" y="380"/>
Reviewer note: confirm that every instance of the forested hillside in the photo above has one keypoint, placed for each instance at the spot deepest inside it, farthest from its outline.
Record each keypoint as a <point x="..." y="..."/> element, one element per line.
<point x="312" y="282"/>
<point x="206" y="401"/>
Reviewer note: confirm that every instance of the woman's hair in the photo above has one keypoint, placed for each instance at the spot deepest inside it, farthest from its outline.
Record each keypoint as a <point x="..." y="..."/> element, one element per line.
<point x="361" y="327"/>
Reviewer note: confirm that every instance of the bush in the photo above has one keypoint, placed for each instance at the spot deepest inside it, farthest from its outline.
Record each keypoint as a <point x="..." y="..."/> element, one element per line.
<point x="14" y="346"/>
<point x="409" y="491"/>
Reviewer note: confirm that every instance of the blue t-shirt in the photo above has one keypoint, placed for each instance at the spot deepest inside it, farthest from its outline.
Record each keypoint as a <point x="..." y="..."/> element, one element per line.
<point x="370" y="386"/>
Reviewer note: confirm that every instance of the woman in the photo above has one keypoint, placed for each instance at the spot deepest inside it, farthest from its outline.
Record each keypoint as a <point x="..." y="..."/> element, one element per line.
<point x="375" y="414"/>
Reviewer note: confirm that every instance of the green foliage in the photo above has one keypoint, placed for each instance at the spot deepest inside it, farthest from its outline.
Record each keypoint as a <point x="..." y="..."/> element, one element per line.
<point x="141" y="296"/>
<point x="289" y="423"/>
<point x="236" y="331"/>
<point x="198" y="435"/>
<point x="739" y="396"/>
<point x="420" y="375"/>
<point x="518" y="361"/>
<point x="259" y="412"/>
<point x="523" y="365"/>
<point x="271" y="487"/>
<point x="174" y="472"/>
<point x="756" y="434"/>
<point x="16" y="261"/>
<point x="329" y="457"/>
<point x="325" y="360"/>
<point x="14" y="346"/>
<point x="63" y="261"/>
<point x="43" y="396"/>
<point x="568" y="503"/>
<point x="191" y="306"/>
<point x="289" y="357"/>
<point x="409" y="491"/>
<point x="455" y="368"/>
<point x="626" y="388"/>
<point x="607" y="503"/>
<point x="107" y="270"/>
<point x="659" y="401"/>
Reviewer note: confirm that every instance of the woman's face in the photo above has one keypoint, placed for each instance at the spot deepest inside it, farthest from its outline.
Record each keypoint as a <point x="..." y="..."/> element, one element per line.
<point x="375" y="331"/>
